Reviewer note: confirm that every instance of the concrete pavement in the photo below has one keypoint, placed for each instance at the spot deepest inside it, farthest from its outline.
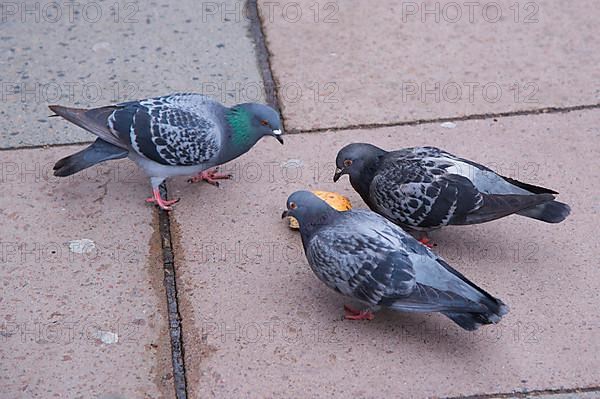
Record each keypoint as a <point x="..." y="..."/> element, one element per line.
<point x="93" y="324"/>
<point x="401" y="61"/>
<point x="83" y="311"/>
<point x="91" y="54"/>
<point x="261" y="315"/>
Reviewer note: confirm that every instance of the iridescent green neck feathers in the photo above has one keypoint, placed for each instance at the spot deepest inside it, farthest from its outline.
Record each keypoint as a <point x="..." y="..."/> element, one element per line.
<point x="240" y="121"/>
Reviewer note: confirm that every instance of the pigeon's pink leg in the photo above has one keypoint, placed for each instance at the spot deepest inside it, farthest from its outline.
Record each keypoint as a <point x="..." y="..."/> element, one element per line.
<point x="163" y="204"/>
<point x="426" y="241"/>
<point x="353" y="314"/>
<point x="210" y="176"/>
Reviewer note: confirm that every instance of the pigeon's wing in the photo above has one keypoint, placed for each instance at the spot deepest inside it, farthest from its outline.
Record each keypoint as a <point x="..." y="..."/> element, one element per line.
<point x="442" y="288"/>
<point x="483" y="178"/>
<point x="416" y="191"/>
<point x="360" y="264"/>
<point x="426" y="187"/>
<point x="492" y="183"/>
<point x="502" y="195"/>
<point x="368" y="258"/>
<point x="437" y="286"/>
<point x="178" y="130"/>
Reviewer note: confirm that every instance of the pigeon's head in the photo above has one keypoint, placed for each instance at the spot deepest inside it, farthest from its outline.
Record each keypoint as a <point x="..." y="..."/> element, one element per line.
<point x="307" y="208"/>
<point x="353" y="158"/>
<point x="255" y="121"/>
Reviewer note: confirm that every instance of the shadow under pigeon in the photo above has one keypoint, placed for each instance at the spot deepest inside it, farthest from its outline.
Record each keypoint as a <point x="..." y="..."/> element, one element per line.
<point x="399" y="331"/>
<point x="487" y="247"/>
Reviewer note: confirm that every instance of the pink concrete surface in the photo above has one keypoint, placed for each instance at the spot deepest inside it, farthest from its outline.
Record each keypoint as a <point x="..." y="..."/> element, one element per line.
<point x="257" y="322"/>
<point x="363" y="62"/>
<point x="61" y="311"/>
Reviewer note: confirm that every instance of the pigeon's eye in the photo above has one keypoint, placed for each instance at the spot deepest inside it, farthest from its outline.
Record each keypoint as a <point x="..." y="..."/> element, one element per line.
<point x="264" y="123"/>
<point x="347" y="162"/>
<point x="293" y="205"/>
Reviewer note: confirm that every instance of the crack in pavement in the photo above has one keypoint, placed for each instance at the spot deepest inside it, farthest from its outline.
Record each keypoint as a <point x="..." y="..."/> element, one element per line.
<point x="177" y="350"/>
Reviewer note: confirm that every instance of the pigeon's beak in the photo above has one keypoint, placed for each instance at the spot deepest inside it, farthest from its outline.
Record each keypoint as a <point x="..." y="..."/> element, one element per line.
<point x="284" y="214"/>
<point x="277" y="134"/>
<point x="338" y="173"/>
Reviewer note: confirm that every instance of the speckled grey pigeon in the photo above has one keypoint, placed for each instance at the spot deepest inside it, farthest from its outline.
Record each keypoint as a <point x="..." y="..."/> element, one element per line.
<point x="180" y="134"/>
<point x="424" y="188"/>
<point x="360" y="254"/>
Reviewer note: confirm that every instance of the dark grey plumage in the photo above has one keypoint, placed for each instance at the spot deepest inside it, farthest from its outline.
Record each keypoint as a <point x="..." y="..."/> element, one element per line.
<point x="362" y="255"/>
<point x="98" y="152"/>
<point x="424" y="188"/>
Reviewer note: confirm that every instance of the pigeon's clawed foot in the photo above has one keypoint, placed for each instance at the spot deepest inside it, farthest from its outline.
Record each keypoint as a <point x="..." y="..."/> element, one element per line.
<point x="427" y="242"/>
<point x="353" y="314"/>
<point x="165" y="205"/>
<point x="210" y="176"/>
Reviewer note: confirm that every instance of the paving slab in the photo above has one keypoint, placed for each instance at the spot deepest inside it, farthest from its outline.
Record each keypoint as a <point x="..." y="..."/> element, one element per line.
<point x="82" y="306"/>
<point x="393" y="61"/>
<point x="257" y="322"/>
<point x="96" y="53"/>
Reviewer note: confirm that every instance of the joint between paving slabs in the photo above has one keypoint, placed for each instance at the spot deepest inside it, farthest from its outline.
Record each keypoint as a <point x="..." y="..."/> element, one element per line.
<point x="273" y="100"/>
<point x="176" y="338"/>
<point x="541" y="393"/>
<point x="471" y="117"/>
<point x="264" y="59"/>
<point x="44" y="146"/>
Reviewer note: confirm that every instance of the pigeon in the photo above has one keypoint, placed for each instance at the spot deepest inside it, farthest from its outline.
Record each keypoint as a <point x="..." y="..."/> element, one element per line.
<point x="425" y="188"/>
<point x="362" y="255"/>
<point x="181" y="134"/>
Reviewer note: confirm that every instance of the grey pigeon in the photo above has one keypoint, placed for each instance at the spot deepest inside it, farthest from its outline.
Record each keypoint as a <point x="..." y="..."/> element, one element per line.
<point x="424" y="188"/>
<point x="360" y="254"/>
<point x="181" y="134"/>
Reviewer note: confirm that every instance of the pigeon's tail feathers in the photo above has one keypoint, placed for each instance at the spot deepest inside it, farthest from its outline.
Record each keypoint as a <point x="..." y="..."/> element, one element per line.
<point x="490" y="310"/>
<point x="550" y="212"/>
<point x="93" y="120"/>
<point x="496" y="206"/>
<point x="99" y="151"/>
<point x="472" y="321"/>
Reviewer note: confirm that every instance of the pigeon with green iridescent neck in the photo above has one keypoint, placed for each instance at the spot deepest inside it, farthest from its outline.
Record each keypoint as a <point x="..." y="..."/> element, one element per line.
<point x="182" y="134"/>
